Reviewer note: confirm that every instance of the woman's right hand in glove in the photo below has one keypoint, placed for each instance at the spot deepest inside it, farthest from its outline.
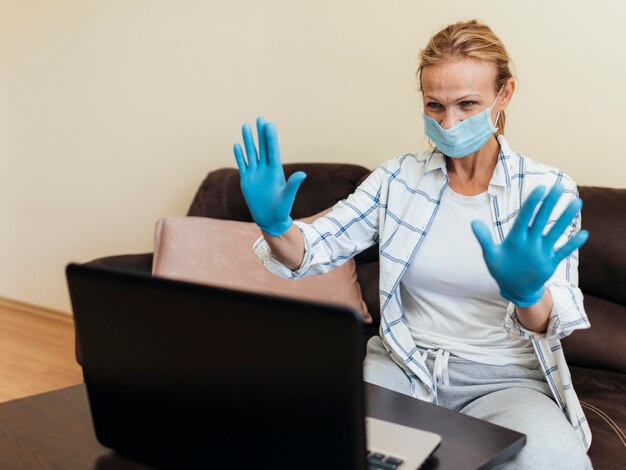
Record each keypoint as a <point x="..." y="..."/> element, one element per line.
<point x="269" y="197"/>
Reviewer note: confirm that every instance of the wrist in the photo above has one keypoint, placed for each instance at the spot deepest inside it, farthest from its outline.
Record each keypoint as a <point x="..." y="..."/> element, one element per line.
<point x="536" y="318"/>
<point x="276" y="228"/>
<point x="526" y="300"/>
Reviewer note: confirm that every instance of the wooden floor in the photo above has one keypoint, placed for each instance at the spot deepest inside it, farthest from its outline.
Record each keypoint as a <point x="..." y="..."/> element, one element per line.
<point x="36" y="353"/>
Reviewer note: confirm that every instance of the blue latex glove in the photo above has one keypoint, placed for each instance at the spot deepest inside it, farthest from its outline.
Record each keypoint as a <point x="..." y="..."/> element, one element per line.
<point x="526" y="259"/>
<point x="268" y="195"/>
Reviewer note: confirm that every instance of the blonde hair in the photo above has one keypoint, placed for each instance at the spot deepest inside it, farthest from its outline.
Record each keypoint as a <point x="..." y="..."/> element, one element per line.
<point x="468" y="39"/>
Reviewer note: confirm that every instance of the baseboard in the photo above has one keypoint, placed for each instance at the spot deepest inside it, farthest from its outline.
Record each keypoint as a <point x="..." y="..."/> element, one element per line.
<point x="31" y="309"/>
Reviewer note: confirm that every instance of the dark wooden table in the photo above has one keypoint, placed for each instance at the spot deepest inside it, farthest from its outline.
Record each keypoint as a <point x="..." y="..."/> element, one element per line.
<point x="54" y="431"/>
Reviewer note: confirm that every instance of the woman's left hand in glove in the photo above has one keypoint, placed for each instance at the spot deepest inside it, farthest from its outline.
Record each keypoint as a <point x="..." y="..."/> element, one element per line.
<point x="527" y="258"/>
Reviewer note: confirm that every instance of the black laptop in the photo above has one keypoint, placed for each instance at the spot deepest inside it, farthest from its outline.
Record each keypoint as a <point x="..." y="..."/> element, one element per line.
<point x="181" y="375"/>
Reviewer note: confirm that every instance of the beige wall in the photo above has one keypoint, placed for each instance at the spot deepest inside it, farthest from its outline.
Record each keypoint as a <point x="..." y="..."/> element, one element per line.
<point x="112" y="111"/>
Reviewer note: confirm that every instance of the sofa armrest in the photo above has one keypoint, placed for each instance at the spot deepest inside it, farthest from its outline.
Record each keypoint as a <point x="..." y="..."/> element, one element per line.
<point x="135" y="262"/>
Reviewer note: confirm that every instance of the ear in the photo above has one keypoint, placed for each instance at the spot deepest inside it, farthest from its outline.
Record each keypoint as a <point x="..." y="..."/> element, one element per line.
<point x="507" y="94"/>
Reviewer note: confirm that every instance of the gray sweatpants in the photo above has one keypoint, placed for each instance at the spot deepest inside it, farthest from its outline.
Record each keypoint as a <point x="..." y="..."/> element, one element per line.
<point x="512" y="396"/>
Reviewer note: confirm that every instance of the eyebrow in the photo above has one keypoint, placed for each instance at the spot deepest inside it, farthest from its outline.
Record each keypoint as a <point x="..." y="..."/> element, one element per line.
<point x="462" y="98"/>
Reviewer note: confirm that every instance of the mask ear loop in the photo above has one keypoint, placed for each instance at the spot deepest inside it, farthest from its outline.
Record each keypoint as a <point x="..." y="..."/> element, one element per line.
<point x="495" y="124"/>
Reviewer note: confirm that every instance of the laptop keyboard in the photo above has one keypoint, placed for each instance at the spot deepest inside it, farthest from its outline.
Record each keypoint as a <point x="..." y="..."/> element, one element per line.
<point x="378" y="461"/>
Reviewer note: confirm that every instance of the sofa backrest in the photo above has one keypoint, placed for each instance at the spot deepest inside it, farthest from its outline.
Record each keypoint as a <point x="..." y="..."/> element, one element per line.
<point x="220" y="197"/>
<point x="602" y="278"/>
<point x="602" y="259"/>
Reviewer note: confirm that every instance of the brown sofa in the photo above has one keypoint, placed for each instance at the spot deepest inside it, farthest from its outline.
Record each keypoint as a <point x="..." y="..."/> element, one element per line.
<point x="597" y="356"/>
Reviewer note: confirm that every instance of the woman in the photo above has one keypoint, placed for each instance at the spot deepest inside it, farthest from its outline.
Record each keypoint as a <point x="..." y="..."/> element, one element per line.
<point x="474" y="327"/>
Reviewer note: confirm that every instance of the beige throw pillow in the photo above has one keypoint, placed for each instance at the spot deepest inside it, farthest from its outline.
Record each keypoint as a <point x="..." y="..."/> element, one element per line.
<point x="219" y="253"/>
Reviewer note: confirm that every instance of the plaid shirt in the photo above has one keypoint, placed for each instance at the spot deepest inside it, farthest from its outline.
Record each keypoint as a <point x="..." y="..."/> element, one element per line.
<point x="395" y="207"/>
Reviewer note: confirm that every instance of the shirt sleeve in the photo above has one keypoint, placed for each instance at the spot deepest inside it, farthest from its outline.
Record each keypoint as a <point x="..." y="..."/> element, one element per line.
<point x="349" y="228"/>
<point x="568" y="313"/>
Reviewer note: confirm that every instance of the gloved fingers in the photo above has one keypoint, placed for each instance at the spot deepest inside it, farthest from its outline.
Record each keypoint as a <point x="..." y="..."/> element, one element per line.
<point x="260" y="124"/>
<point x="241" y="161"/>
<point x="293" y="184"/>
<point x="271" y="139"/>
<point x="563" y="221"/>
<point x="572" y="244"/>
<point x="543" y="214"/>
<point x="528" y="209"/>
<point x="482" y="233"/>
<point x="248" y="141"/>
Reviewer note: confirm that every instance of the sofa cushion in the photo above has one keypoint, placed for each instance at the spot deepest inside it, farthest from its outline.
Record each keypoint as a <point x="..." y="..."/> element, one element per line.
<point x="219" y="252"/>
<point x="601" y="395"/>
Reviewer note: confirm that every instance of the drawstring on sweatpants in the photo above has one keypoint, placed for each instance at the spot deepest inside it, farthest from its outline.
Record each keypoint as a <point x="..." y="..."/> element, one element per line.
<point x="440" y="367"/>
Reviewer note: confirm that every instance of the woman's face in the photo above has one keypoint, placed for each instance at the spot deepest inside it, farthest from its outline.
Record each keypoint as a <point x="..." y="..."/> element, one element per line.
<point x="458" y="89"/>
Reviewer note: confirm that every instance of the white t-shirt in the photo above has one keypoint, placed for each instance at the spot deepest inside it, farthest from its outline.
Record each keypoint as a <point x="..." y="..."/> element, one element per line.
<point x="450" y="300"/>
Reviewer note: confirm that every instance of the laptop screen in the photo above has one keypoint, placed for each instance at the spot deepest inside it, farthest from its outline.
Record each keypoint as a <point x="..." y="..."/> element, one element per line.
<point x="183" y="374"/>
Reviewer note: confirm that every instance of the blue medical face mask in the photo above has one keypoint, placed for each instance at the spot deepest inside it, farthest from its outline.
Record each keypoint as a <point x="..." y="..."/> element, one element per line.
<point x="464" y="138"/>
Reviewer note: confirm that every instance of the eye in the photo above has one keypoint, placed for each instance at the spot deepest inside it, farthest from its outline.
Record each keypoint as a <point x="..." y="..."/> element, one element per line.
<point x="433" y="105"/>
<point x="468" y="104"/>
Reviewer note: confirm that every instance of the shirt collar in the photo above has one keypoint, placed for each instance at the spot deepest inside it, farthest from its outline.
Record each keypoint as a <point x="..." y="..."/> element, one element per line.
<point x="503" y="170"/>
<point x="436" y="161"/>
